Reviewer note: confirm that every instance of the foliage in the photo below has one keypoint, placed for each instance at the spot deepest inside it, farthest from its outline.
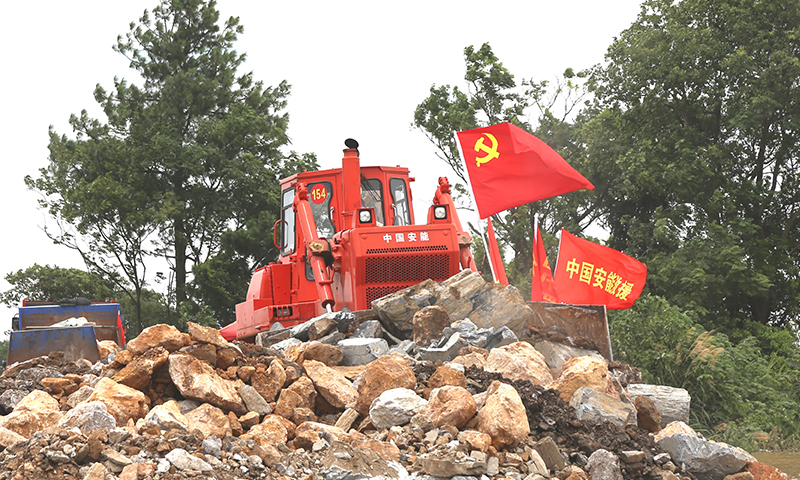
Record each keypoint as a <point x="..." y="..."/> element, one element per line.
<point x="493" y="96"/>
<point x="739" y="393"/>
<point x="702" y="95"/>
<point x="187" y="158"/>
<point x="46" y="283"/>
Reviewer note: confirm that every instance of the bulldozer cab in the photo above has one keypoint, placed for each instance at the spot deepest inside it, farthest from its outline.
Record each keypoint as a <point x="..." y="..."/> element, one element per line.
<point x="383" y="189"/>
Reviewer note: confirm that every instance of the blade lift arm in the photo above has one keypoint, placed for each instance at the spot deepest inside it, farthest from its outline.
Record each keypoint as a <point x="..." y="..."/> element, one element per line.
<point x="443" y="197"/>
<point x="317" y="248"/>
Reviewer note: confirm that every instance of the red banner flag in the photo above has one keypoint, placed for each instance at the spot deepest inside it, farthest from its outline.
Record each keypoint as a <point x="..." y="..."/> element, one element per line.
<point x="509" y="167"/>
<point x="543" y="288"/>
<point x="496" y="259"/>
<point x="591" y="274"/>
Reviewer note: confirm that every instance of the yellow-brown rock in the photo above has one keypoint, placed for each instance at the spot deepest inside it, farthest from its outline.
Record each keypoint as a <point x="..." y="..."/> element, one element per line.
<point x="122" y="402"/>
<point x="519" y="361"/>
<point x="428" y="324"/>
<point x="330" y="355"/>
<point x="450" y="405"/>
<point x="471" y="359"/>
<point x="210" y="420"/>
<point x="385" y="373"/>
<point x="271" y="431"/>
<point x="336" y="432"/>
<point x="138" y="372"/>
<point x="36" y="411"/>
<point x="249" y="420"/>
<point x="475" y="439"/>
<point x="269" y="382"/>
<point x="581" y="372"/>
<point x="162" y="335"/>
<point x="503" y="416"/>
<point x="198" y="381"/>
<point x="300" y="394"/>
<point x="332" y="385"/>
<point x="384" y="448"/>
<point x="201" y="334"/>
<point x="56" y="385"/>
<point x="446" y="375"/>
<point x="226" y="357"/>
<point x="107" y="347"/>
<point x="8" y="438"/>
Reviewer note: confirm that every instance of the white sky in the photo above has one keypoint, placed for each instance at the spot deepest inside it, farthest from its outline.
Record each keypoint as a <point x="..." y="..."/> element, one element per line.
<point x="357" y="69"/>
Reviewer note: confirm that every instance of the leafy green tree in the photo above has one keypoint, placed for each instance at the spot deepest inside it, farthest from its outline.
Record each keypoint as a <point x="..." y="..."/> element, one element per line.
<point x="46" y="283"/>
<point x="189" y="156"/>
<point x="493" y="96"/>
<point x="696" y="133"/>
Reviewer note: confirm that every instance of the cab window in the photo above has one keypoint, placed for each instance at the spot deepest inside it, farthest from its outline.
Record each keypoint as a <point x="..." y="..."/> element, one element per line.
<point x="402" y="214"/>
<point x="372" y="197"/>
<point x="319" y="197"/>
<point x="287" y="224"/>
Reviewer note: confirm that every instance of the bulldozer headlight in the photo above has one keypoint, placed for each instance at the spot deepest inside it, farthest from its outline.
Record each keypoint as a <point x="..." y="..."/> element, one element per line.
<point x="365" y="216"/>
<point x="440" y="212"/>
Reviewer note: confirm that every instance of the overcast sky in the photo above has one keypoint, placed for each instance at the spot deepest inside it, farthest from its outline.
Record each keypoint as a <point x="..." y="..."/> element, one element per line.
<point x="357" y="69"/>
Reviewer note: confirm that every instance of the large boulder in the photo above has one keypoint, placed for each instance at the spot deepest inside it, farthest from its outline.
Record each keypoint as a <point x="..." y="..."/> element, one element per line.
<point x="36" y="411"/>
<point x="672" y="403"/>
<point x="395" y="407"/>
<point x="88" y="417"/>
<point x="168" y="416"/>
<point x="596" y="407"/>
<point x="210" y="420"/>
<point x="334" y="387"/>
<point x="385" y="373"/>
<point x="428" y="324"/>
<point x="161" y="335"/>
<point x="122" y="402"/>
<point x="450" y="405"/>
<point x="269" y="381"/>
<point x="198" y="381"/>
<point x="705" y="459"/>
<point x="139" y="371"/>
<point x="271" y="431"/>
<point x="581" y="372"/>
<point x="519" y="361"/>
<point x="208" y="335"/>
<point x="503" y="416"/>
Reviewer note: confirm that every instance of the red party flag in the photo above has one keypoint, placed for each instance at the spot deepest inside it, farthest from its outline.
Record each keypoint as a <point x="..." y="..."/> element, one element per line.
<point x="509" y="167"/>
<point x="543" y="288"/>
<point x="497" y="260"/>
<point x="591" y="274"/>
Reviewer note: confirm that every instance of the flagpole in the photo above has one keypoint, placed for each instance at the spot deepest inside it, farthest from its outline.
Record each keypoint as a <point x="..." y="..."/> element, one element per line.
<point x="560" y="237"/>
<point x="481" y="230"/>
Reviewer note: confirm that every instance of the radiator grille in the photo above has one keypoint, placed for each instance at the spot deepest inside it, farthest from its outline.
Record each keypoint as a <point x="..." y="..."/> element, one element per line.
<point x="409" y="269"/>
<point x="421" y="248"/>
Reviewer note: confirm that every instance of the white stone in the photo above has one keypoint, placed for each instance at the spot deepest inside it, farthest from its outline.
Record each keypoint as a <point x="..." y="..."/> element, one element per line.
<point x="395" y="407"/>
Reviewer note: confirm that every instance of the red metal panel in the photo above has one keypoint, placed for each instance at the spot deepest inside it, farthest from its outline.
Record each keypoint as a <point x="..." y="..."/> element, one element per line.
<point x="281" y="284"/>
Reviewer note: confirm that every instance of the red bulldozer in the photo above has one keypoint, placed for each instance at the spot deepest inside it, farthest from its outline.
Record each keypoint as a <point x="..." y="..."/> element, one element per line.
<point x="346" y="237"/>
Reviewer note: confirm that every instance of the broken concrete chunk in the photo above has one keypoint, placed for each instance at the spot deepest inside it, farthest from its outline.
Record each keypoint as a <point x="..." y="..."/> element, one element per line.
<point x="361" y="351"/>
<point x="368" y="329"/>
<point x="595" y="407"/>
<point x="395" y="407"/>
<point x="705" y="459"/>
<point x="672" y="403"/>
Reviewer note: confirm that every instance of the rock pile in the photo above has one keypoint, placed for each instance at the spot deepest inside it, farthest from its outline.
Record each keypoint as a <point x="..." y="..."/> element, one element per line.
<point x="349" y="396"/>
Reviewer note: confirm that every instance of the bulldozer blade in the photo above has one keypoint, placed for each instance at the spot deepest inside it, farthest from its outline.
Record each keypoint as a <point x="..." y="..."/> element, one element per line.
<point x="577" y="322"/>
<point x="75" y="342"/>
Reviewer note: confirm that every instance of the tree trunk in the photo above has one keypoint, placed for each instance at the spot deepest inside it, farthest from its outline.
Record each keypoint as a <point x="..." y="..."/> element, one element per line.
<point x="180" y="263"/>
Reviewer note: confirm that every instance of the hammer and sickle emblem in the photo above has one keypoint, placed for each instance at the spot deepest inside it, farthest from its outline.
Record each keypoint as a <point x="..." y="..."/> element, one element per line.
<point x="491" y="152"/>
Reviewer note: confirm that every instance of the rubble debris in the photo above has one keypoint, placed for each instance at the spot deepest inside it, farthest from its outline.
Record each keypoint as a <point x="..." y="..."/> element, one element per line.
<point x="484" y="405"/>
